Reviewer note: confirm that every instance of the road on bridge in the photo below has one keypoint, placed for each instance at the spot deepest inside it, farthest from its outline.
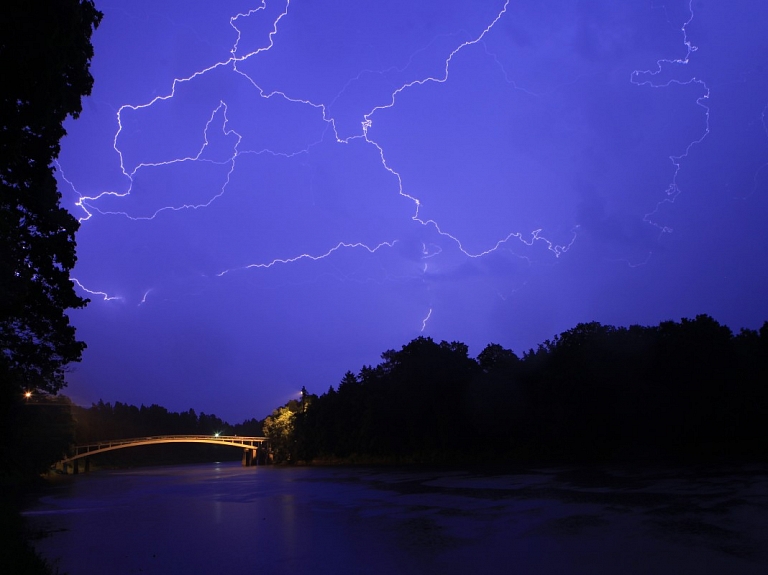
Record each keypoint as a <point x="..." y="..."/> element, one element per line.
<point x="255" y="449"/>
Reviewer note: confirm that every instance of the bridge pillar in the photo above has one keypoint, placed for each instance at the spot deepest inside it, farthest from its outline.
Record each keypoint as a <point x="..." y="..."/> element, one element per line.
<point x="75" y="469"/>
<point x="86" y="464"/>
<point x="250" y="457"/>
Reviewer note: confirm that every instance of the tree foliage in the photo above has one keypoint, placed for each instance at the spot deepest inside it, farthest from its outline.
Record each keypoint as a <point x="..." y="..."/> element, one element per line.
<point x="45" y="53"/>
<point x="280" y="427"/>
<point x="688" y="388"/>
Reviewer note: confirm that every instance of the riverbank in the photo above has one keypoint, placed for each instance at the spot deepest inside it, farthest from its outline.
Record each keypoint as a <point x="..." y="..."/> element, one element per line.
<point x="19" y="556"/>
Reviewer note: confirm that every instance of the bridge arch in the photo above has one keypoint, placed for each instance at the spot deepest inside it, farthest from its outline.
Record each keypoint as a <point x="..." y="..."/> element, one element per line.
<point x="249" y="445"/>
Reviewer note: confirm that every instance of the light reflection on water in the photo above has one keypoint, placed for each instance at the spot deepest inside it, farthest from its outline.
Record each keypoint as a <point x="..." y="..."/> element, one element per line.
<point x="223" y="518"/>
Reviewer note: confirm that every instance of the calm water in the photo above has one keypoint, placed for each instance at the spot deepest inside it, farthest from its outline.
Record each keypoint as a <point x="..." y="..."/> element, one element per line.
<point x="223" y="518"/>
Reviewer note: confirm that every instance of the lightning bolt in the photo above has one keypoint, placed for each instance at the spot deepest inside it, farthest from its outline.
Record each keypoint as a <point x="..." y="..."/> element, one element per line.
<point x="104" y="295"/>
<point x="367" y="123"/>
<point x="233" y="64"/>
<point x="87" y="203"/>
<point x="294" y="259"/>
<point x="656" y="79"/>
<point x="425" y="320"/>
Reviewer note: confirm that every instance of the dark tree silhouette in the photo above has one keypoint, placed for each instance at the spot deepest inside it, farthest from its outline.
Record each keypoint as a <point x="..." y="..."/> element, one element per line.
<point x="45" y="53"/>
<point x="688" y="389"/>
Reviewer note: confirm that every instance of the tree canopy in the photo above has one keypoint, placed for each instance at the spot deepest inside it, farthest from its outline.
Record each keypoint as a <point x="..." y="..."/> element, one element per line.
<point x="45" y="54"/>
<point x="594" y="392"/>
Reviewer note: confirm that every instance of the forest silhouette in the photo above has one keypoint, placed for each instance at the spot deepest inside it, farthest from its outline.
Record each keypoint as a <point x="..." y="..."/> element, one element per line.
<point x="688" y="390"/>
<point x="678" y="392"/>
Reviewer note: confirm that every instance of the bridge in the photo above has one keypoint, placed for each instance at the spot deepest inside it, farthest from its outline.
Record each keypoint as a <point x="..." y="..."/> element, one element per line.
<point x="254" y="448"/>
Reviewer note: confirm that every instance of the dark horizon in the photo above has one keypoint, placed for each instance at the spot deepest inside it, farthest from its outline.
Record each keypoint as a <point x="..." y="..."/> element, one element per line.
<point x="678" y="392"/>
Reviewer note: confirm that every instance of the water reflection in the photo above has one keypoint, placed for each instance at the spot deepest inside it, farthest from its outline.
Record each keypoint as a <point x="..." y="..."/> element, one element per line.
<point x="224" y="518"/>
<point x="288" y="521"/>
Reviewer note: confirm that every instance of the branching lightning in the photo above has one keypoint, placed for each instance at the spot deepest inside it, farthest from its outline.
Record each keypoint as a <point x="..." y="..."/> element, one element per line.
<point x="104" y="295"/>
<point x="368" y="122"/>
<point x="233" y="63"/>
<point x="87" y="203"/>
<point x="654" y="79"/>
<point x="340" y="245"/>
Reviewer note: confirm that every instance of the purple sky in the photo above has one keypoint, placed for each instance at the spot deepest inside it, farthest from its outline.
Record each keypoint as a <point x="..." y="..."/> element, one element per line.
<point x="274" y="194"/>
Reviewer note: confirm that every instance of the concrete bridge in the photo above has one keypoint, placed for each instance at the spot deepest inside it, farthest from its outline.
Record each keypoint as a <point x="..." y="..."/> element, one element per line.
<point x="254" y="448"/>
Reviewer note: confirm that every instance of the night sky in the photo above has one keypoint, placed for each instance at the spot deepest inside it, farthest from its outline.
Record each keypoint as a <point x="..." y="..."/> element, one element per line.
<point x="273" y="194"/>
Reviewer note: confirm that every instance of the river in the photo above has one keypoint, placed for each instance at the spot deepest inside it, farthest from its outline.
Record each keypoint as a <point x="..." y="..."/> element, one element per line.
<point x="228" y="519"/>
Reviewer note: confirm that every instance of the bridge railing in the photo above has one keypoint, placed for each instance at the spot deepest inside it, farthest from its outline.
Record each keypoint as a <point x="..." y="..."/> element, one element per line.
<point x="225" y="439"/>
<point x="250" y="446"/>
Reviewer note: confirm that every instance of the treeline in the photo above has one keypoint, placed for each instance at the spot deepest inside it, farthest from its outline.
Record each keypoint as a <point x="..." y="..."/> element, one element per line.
<point x="104" y="421"/>
<point x="688" y="389"/>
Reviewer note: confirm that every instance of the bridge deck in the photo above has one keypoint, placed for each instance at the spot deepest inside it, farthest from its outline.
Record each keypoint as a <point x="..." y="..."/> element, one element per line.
<point x="82" y="451"/>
